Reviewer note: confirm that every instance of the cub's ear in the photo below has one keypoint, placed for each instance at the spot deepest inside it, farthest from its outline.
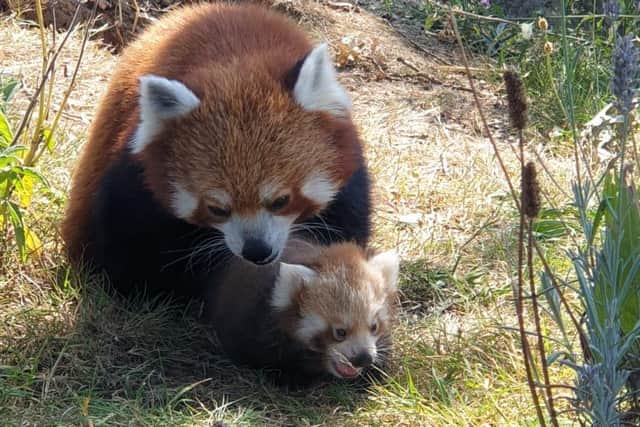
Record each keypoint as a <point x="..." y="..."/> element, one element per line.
<point x="388" y="264"/>
<point x="160" y="99"/>
<point x="290" y="280"/>
<point x="316" y="87"/>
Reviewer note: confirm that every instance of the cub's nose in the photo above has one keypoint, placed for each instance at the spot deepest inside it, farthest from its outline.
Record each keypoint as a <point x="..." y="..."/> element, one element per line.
<point x="362" y="360"/>
<point x="257" y="251"/>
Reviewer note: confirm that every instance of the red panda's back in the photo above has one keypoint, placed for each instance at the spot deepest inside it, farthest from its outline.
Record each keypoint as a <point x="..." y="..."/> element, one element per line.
<point x="209" y="35"/>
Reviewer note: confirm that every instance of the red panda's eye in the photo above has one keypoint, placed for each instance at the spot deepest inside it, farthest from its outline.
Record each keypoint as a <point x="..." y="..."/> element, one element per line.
<point x="374" y="328"/>
<point x="339" y="334"/>
<point x="279" y="203"/>
<point x="220" y="212"/>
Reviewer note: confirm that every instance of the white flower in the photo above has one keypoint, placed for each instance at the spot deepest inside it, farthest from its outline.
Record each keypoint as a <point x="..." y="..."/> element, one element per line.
<point x="527" y="30"/>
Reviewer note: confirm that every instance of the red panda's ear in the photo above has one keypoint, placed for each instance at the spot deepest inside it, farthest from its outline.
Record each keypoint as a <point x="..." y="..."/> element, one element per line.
<point x="290" y="280"/>
<point x="388" y="264"/>
<point x="160" y="99"/>
<point x="315" y="85"/>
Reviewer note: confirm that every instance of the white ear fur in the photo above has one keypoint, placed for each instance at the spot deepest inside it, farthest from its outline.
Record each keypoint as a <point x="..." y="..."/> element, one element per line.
<point x="160" y="99"/>
<point x="317" y="88"/>
<point x="290" y="279"/>
<point x="388" y="264"/>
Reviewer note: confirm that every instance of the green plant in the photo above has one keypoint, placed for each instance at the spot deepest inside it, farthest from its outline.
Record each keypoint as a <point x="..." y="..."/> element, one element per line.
<point x="576" y="47"/>
<point x="605" y="287"/>
<point x="16" y="179"/>
<point x="22" y="148"/>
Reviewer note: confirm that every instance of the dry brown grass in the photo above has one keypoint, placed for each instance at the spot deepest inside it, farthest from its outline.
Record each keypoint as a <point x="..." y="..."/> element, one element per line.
<point x="76" y="356"/>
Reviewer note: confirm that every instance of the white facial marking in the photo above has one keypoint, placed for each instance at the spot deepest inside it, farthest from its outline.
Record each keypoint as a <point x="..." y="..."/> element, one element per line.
<point x="356" y="344"/>
<point x="387" y="264"/>
<point x="272" y="229"/>
<point x="310" y="325"/>
<point x="378" y="312"/>
<point x="290" y="278"/>
<point x="183" y="202"/>
<point x="221" y="197"/>
<point x="269" y="191"/>
<point x="160" y="99"/>
<point x="319" y="188"/>
<point x="317" y="88"/>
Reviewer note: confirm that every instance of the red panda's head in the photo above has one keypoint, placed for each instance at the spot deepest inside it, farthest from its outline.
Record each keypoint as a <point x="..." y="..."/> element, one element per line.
<point x="342" y="307"/>
<point x="247" y="148"/>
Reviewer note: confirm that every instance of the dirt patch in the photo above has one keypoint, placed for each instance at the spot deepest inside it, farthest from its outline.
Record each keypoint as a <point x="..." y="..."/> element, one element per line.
<point x="116" y="22"/>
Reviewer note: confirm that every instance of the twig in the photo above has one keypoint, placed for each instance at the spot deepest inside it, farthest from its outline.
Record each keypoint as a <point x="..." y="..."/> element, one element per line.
<point x="496" y="151"/>
<point x="28" y="160"/>
<point x="536" y="317"/>
<point x="34" y="98"/>
<point x="549" y="174"/>
<point x="519" y="301"/>
<point x="483" y="118"/>
<point x="416" y="45"/>
<point x="491" y="18"/>
<point x="483" y="227"/>
<point x="458" y="69"/>
<point x="136" y="16"/>
<point x="419" y="76"/>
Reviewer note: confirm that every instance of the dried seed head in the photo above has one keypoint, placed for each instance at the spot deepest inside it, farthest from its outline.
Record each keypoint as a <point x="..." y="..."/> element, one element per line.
<point x="516" y="99"/>
<point x="547" y="48"/>
<point x="625" y="69"/>
<point x="543" y="25"/>
<point x="530" y="195"/>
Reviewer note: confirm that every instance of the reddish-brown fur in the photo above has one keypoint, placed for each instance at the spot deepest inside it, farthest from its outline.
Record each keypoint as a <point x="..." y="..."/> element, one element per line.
<point x="253" y="332"/>
<point x="344" y="264"/>
<point x="237" y="75"/>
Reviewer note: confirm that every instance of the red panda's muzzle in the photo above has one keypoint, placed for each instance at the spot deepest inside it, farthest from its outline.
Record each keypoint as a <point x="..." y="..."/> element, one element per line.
<point x="258" y="252"/>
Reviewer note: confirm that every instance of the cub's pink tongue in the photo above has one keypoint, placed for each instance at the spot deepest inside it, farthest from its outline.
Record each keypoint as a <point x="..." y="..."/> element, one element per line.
<point x="346" y="370"/>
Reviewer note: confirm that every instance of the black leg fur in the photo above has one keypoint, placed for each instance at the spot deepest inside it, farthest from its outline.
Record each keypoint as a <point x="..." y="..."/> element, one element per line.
<point x="139" y="244"/>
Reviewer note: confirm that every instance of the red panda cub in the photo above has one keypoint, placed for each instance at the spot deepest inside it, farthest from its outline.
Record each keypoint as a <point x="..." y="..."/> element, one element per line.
<point x="223" y="131"/>
<point x="330" y="313"/>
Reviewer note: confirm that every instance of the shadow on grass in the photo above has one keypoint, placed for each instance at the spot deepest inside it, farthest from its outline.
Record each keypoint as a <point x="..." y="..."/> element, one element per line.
<point x="91" y="357"/>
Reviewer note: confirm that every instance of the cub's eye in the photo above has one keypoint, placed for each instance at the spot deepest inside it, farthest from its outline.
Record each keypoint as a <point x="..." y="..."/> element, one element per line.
<point x="339" y="334"/>
<point x="374" y="328"/>
<point x="220" y="212"/>
<point x="279" y="203"/>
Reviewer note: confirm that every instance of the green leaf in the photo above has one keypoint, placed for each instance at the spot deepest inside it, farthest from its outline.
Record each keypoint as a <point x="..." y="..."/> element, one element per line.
<point x="6" y="136"/>
<point x="15" y="216"/>
<point x="31" y="172"/>
<point x="9" y="161"/>
<point x="13" y="150"/>
<point x="429" y="21"/>
<point x="597" y="219"/>
<point x="621" y="251"/>
<point x="10" y="89"/>
<point x="24" y="190"/>
<point x="7" y="179"/>
<point x="32" y="243"/>
<point x="49" y="140"/>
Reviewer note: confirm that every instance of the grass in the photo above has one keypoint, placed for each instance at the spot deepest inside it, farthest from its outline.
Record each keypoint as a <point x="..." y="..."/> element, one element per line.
<point x="70" y="354"/>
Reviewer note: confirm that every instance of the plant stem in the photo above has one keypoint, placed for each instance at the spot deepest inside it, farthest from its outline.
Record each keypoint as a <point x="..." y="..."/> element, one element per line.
<point x="34" y="159"/>
<point x="536" y="317"/>
<point x="526" y="349"/>
<point x="40" y="88"/>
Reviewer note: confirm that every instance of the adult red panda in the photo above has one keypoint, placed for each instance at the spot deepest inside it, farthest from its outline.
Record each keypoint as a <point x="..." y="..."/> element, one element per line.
<point x="324" y="311"/>
<point x="222" y="129"/>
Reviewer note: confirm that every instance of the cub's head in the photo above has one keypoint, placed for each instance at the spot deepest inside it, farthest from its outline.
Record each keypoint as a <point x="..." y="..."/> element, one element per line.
<point x="341" y="307"/>
<point x="247" y="148"/>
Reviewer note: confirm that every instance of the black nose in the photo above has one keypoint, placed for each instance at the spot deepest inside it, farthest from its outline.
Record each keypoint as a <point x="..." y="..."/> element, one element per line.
<point x="256" y="251"/>
<point x="362" y="360"/>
